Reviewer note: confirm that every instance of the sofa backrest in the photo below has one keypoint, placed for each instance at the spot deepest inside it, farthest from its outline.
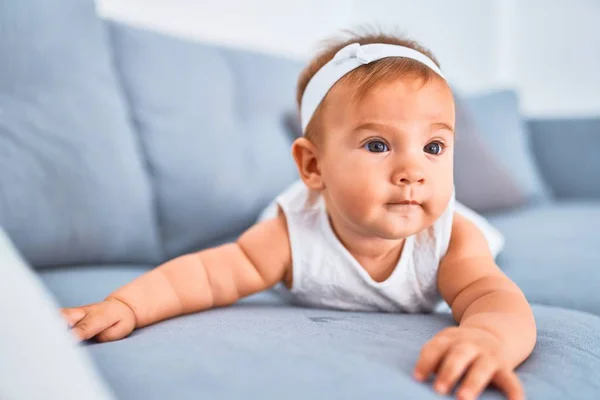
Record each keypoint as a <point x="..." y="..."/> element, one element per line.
<point x="120" y="145"/>
<point x="211" y="123"/>
<point x="566" y="151"/>
<point x="73" y="183"/>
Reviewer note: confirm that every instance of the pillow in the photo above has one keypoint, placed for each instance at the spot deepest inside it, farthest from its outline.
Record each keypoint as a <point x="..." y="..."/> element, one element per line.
<point x="577" y="140"/>
<point x="481" y="181"/>
<point x="210" y="122"/>
<point x="73" y="189"/>
<point x="500" y="125"/>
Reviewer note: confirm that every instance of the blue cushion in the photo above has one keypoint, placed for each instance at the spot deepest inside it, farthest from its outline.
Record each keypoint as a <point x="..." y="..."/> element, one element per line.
<point x="567" y="152"/>
<point x="72" y="183"/>
<point x="272" y="350"/>
<point x="552" y="253"/>
<point x="212" y="124"/>
<point x="490" y="186"/>
<point x="499" y="122"/>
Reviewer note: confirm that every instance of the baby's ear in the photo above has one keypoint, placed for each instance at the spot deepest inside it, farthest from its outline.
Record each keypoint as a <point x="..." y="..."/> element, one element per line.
<point x="305" y="155"/>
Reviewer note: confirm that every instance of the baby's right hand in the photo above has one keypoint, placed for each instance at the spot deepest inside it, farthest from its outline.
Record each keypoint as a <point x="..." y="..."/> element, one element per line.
<point x="108" y="320"/>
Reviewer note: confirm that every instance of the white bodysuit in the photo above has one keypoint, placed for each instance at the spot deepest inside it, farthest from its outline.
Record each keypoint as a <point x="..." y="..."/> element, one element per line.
<point x="325" y="274"/>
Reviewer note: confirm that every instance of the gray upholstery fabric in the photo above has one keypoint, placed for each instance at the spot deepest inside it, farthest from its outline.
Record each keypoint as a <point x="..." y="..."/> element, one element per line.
<point x="79" y="285"/>
<point x="72" y="184"/>
<point x="566" y="151"/>
<point x="209" y="121"/>
<point x="264" y="348"/>
<point x="504" y="132"/>
<point x="482" y="183"/>
<point x="553" y="253"/>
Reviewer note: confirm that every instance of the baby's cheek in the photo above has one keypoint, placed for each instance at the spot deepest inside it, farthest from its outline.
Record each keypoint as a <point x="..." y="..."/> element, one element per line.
<point x="347" y="194"/>
<point x="359" y="203"/>
<point x="433" y="209"/>
<point x="440" y="203"/>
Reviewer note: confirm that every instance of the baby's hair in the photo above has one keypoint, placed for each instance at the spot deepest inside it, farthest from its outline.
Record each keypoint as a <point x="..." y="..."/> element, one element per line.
<point x="366" y="76"/>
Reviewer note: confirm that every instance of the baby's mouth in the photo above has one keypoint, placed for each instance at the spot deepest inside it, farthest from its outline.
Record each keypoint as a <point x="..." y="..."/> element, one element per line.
<point x="403" y="206"/>
<point x="405" y="203"/>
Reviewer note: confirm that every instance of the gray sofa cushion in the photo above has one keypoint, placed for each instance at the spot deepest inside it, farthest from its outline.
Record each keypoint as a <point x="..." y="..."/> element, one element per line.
<point x="72" y="183"/>
<point x="78" y="285"/>
<point x="567" y="152"/>
<point x="482" y="182"/>
<point x="552" y="253"/>
<point x="264" y="348"/>
<point x="211" y="123"/>
<point x="505" y="133"/>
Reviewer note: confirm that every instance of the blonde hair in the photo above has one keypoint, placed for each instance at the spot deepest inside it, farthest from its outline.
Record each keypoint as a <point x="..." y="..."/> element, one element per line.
<point x="366" y="76"/>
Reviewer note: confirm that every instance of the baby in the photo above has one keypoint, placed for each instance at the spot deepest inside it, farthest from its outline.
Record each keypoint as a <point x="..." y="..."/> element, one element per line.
<point x="371" y="226"/>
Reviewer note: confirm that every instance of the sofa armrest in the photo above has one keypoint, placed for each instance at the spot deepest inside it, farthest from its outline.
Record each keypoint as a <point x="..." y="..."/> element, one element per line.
<point x="568" y="154"/>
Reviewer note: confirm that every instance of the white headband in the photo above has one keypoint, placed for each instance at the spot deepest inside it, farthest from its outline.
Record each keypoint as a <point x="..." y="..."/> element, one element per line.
<point x="347" y="59"/>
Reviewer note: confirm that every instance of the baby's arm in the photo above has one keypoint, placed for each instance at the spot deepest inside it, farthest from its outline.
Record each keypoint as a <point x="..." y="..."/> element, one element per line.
<point x="214" y="277"/>
<point x="496" y="329"/>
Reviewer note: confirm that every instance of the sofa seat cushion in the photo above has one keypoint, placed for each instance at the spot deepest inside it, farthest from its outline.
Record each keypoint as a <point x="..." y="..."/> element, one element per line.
<point x="553" y="253"/>
<point x="272" y="350"/>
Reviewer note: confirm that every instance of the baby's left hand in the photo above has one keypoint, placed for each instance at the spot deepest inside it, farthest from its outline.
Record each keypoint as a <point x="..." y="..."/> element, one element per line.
<point x="470" y="352"/>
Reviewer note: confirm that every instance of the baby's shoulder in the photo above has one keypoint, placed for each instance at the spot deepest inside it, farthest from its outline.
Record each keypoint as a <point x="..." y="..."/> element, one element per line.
<point x="298" y="199"/>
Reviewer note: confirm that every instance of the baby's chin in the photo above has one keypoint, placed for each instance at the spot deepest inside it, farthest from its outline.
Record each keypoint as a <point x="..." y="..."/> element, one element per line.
<point x="395" y="223"/>
<point x="397" y="234"/>
<point x="392" y="229"/>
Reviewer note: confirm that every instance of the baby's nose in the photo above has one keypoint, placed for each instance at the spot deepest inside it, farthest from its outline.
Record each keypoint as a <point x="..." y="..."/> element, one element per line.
<point x="412" y="175"/>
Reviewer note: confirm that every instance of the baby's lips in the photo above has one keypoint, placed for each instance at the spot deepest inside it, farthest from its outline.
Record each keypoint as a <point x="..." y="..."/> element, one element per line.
<point x="404" y="202"/>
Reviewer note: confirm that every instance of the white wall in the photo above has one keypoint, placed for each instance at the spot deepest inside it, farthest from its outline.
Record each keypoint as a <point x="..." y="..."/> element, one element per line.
<point x="557" y="63"/>
<point x="548" y="49"/>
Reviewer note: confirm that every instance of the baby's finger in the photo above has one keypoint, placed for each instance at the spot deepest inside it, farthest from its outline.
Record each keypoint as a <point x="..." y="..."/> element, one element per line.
<point x="91" y="325"/>
<point x="478" y="377"/>
<point x="72" y="315"/>
<point x="453" y="366"/>
<point x="507" y="381"/>
<point x="430" y="357"/>
<point x="115" y="332"/>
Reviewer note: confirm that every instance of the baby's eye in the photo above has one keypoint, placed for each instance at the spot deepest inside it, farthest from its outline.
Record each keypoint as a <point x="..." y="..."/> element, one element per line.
<point x="434" y="148"/>
<point x="376" y="146"/>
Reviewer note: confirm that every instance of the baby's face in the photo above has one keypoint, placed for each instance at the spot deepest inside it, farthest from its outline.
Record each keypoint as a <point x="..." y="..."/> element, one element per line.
<point x="387" y="160"/>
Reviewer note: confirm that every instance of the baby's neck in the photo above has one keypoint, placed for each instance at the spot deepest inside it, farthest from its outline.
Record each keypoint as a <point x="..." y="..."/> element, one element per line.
<point x="377" y="256"/>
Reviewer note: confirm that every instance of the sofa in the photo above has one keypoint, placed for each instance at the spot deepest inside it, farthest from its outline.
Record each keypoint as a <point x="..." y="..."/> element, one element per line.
<point x="121" y="148"/>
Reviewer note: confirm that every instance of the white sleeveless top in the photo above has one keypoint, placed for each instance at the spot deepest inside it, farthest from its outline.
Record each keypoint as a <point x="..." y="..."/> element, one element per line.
<point x="325" y="274"/>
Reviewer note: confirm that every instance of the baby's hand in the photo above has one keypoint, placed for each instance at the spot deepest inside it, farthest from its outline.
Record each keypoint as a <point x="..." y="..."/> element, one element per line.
<point x="108" y="320"/>
<point x="470" y="352"/>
